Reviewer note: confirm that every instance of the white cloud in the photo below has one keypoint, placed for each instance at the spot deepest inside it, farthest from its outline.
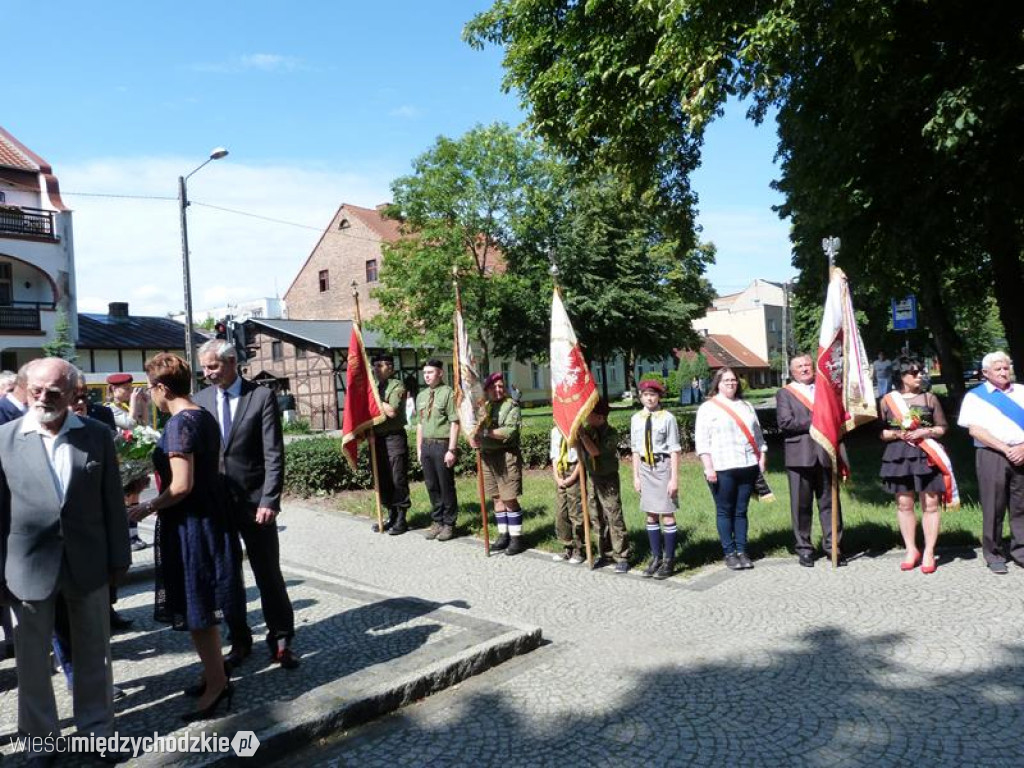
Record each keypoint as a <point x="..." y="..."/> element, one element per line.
<point x="406" y="110"/>
<point x="261" y="62"/>
<point x="130" y="249"/>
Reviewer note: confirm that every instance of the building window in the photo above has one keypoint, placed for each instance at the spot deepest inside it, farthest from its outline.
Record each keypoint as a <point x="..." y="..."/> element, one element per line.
<point x="772" y="326"/>
<point x="325" y="280"/>
<point x="300" y="352"/>
<point x="371" y="270"/>
<point x="506" y="370"/>
<point x="535" y="375"/>
<point x="6" y="285"/>
<point x="277" y="351"/>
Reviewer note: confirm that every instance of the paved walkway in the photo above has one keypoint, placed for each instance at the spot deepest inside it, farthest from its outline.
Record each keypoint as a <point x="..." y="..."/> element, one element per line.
<point x="779" y="666"/>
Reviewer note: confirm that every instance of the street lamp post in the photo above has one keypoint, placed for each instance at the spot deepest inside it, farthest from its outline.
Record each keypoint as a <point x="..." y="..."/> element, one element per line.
<point x="216" y="154"/>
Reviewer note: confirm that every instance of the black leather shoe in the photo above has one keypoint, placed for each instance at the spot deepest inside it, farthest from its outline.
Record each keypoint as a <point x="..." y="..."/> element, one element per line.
<point x="388" y="524"/>
<point x="500" y="543"/>
<point x="806" y="559"/>
<point x="119" y="623"/>
<point x="745" y="562"/>
<point x="732" y="562"/>
<point x="515" y="546"/>
<point x="238" y="654"/>
<point x="652" y="567"/>
<point x="286" y="658"/>
<point x="665" y="569"/>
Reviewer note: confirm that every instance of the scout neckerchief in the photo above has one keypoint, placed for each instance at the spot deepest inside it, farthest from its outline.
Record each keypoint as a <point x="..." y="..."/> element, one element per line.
<point x="761" y="487"/>
<point x="1002" y="402"/>
<point x="563" y="455"/>
<point x="648" y="441"/>
<point x="800" y="395"/>
<point x="936" y="454"/>
<point x="426" y="412"/>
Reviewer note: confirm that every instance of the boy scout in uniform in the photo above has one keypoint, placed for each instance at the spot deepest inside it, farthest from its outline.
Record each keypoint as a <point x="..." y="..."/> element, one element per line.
<point x="392" y="446"/>
<point x="601" y="442"/>
<point x="498" y="441"/>
<point x="568" y="512"/>
<point x="437" y="439"/>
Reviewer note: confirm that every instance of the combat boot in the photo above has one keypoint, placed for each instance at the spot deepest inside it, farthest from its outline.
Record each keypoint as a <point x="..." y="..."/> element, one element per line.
<point x="515" y="546"/>
<point x="388" y="524"/>
<point x="399" y="527"/>
<point x="500" y="543"/>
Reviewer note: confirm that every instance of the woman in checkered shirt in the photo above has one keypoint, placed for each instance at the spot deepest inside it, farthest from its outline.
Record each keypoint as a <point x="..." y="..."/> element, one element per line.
<point x="732" y="449"/>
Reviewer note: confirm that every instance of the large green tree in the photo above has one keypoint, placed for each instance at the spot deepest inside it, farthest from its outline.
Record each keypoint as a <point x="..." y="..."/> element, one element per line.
<point x="899" y="125"/>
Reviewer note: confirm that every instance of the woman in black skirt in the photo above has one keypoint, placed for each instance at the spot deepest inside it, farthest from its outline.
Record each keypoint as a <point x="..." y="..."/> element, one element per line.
<point x="911" y="416"/>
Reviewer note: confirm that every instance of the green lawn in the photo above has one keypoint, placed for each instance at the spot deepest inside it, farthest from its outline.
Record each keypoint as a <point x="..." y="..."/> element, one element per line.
<point x="868" y="512"/>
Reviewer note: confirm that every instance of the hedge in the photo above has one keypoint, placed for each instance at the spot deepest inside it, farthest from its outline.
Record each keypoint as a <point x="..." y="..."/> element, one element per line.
<point x="316" y="466"/>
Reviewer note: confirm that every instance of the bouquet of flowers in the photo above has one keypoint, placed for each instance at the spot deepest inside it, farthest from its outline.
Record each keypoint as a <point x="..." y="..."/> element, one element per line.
<point x="135" y="455"/>
<point x="913" y="420"/>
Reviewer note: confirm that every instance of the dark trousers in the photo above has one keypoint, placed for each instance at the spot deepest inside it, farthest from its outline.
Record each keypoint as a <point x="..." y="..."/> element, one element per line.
<point x="732" y="496"/>
<point x="393" y="470"/>
<point x="805" y="485"/>
<point x="1001" y="487"/>
<point x="440" y="481"/>
<point x="264" y="553"/>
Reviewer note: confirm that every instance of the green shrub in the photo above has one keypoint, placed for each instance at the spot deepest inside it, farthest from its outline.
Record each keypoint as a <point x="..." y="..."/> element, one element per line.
<point x="297" y="427"/>
<point x="316" y="466"/>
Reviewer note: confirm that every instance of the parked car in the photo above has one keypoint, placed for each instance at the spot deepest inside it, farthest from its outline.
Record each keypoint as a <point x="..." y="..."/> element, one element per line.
<point x="972" y="371"/>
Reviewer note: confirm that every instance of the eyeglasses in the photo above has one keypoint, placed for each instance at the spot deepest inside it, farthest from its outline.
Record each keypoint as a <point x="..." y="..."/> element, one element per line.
<point x="40" y="393"/>
<point x="914" y="372"/>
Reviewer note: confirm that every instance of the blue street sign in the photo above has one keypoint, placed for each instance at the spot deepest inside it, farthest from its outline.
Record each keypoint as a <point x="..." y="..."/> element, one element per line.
<point x="904" y="314"/>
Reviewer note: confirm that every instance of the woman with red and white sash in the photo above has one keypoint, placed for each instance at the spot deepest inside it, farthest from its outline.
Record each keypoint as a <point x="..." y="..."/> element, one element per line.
<point x="915" y="463"/>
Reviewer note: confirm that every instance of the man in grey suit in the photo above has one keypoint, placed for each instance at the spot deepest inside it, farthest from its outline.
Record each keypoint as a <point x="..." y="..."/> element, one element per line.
<point x="807" y="464"/>
<point x="64" y="532"/>
<point x="253" y="470"/>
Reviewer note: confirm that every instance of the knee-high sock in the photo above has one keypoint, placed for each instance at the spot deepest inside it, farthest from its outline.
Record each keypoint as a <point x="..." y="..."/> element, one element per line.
<point x="502" y="519"/>
<point x="654" y="535"/>
<point x="515" y="522"/>
<point x="670" y="541"/>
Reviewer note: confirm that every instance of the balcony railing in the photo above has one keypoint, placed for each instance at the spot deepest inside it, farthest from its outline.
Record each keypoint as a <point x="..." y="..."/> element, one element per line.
<point x="22" y="315"/>
<point x="34" y="222"/>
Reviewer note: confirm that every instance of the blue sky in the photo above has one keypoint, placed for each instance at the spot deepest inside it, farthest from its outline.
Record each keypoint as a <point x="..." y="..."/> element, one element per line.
<point x="319" y="103"/>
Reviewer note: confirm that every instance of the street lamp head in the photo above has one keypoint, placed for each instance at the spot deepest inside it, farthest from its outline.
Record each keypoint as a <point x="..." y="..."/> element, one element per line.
<point x="218" y="153"/>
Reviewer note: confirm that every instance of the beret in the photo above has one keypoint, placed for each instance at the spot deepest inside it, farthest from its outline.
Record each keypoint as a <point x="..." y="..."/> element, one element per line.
<point x="491" y="380"/>
<point x="119" y="378"/>
<point x="653" y="385"/>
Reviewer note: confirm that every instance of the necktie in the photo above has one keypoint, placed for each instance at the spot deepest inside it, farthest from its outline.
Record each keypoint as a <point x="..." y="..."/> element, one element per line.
<point x="225" y="417"/>
<point x="430" y="404"/>
<point x="648" y="441"/>
<point x="563" y="456"/>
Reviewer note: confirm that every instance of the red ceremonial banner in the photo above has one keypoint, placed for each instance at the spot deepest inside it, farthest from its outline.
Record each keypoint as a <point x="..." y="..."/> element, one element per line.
<point x="573" y="389"/>
<point x="362" y="402"/>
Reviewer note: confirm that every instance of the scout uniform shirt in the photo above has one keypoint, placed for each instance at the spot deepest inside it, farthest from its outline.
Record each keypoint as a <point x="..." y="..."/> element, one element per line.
<point x="436" y="411"/>
<point x="606" y="463"/>
<point x="392" y="392"/>
<point x="653" y="434"/>
<point x="506" y="417"/>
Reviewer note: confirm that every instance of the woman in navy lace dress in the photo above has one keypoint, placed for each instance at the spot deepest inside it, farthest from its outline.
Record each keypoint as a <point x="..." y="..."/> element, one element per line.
<point x="199" y="553"/>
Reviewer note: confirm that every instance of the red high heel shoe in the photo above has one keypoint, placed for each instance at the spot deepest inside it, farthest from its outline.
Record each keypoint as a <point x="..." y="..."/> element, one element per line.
<point x="905" y="566"/>
<point x="929" y="568"/>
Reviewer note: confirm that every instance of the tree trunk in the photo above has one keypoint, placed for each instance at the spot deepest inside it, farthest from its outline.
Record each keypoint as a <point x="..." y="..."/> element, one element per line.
<point x="948" y="343"/>
<point x="1008" y="287"/>
<point x="630" y="372"/>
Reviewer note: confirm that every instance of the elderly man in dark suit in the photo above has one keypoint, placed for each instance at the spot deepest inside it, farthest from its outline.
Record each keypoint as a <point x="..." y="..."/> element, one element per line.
<point x="253" y="467"/>
<point x="64" y="533"/>
<point x="807" y="464"/>
<point x="13" y="404"/>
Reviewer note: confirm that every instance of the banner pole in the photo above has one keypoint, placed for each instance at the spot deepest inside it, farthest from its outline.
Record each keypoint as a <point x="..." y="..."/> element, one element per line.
<point x="484" y="523"/>
<point x="371" y="438"/>
<point x="835" y="513"/>
<point x="582" y="453"/>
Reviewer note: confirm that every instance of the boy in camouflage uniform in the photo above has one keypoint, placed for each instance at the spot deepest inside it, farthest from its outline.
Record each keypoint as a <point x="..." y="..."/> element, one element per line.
<point x="498" y="441"/>
<point x="601" y="442"/>
<point x="568" y="511"/>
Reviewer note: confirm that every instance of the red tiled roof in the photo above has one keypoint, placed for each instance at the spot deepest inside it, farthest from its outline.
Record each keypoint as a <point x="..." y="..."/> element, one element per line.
<point x="722" y="350"/>
<point x="14" y="154"/>
<point x="388" y="229"/>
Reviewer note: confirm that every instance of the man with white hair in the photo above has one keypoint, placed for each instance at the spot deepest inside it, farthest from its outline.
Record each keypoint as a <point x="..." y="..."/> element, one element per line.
<point x="63" y="532"/>
<point x="993" y="413"/>
<point x="13" y="402"/>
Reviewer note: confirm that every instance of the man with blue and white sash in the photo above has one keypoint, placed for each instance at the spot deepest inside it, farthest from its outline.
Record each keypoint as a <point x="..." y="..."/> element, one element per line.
<point x="993" y="413"/>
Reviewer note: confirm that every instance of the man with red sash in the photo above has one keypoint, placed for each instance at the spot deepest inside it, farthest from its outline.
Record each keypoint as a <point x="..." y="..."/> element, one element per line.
<point x="993" y="413"/>
<point x="808" y="466"/>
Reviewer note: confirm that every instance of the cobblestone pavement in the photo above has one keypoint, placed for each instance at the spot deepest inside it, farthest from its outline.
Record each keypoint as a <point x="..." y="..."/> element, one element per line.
<point x="346" y="635"/>
<point x="779" y="666"/>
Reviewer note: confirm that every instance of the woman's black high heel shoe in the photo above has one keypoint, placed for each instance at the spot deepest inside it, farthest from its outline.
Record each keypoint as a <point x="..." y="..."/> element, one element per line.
<point x="208" y="713"/>
<point x="198" y="689"/>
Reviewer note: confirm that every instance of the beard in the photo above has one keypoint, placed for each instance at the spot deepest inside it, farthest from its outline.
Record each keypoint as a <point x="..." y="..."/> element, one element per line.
<point x="47" y="415"/>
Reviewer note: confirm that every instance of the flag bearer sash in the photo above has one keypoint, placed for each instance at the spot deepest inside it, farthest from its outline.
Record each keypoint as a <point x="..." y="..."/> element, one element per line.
<point x="761" y="487"/>
<point x="932" y="448"/>
<point x="1002" y="402"/>
<point x="801" y="396"/>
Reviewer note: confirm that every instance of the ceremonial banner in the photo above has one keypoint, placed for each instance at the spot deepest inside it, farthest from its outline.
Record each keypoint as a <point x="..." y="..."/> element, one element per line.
<point x="844" y="397"/>
<point x="362" y="402"/>
<point x="573" y="390"/>
<point x="469" y="392"/>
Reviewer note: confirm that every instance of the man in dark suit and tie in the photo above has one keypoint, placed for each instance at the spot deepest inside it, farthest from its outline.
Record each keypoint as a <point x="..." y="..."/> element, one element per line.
<point x="63" y="532"/>
<point x="253" y="467"/>
<point x="13" y="404"/>
<point x="807" y="464"/>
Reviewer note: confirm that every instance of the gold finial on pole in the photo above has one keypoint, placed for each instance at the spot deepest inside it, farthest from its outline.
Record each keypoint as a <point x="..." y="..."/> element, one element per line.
<point x="355" y="295"/>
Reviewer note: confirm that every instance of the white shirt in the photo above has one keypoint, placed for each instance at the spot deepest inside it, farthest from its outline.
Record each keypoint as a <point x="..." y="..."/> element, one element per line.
<point x="718" y="435"/>
<point x="23" y="407"/>
<point x="975" y="412"/>
<point x="807" y="390"/>
<point x="664" y="432"/>
<point x="556" y="447"/>
<point x="58" y="450"/>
